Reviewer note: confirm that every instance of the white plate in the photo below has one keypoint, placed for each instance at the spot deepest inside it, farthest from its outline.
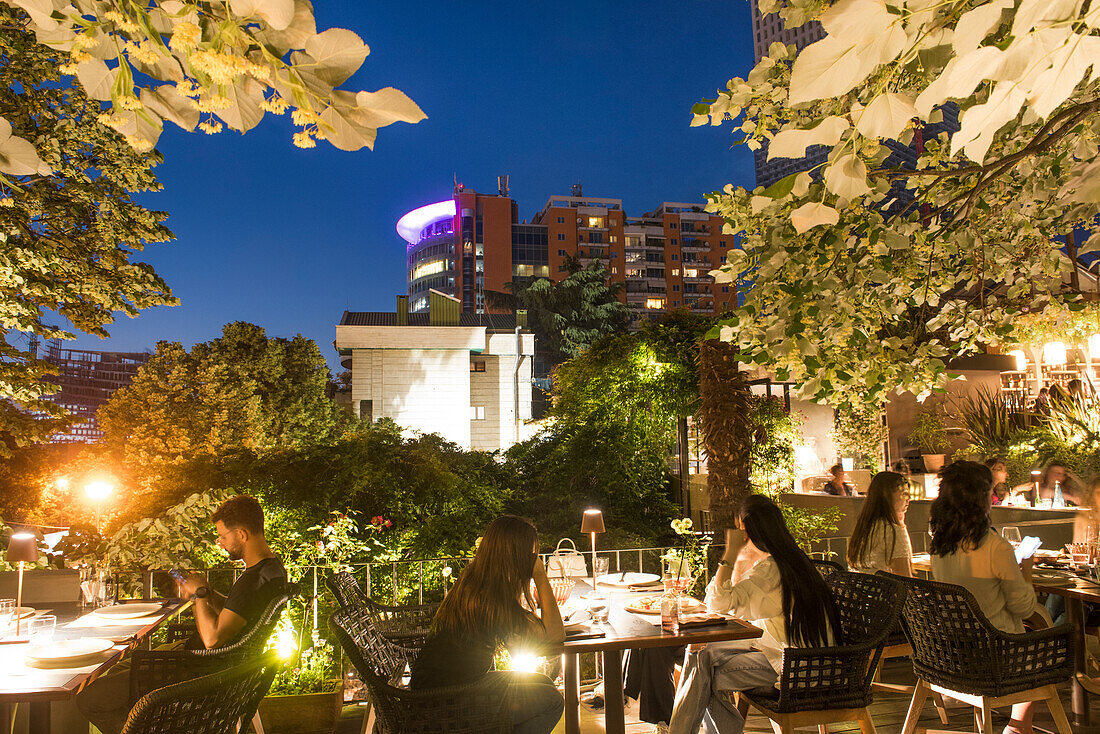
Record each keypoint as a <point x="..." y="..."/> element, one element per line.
<point x="630" y="578"/>
<point x="25" y="612"/>
<point x="69" y="651"/>
<point x="127" y="611"/>
<point x="580" y="619"/>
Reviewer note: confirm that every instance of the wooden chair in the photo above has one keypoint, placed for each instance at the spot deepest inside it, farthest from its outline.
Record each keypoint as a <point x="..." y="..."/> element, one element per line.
<point x="459" y="709"/>
<point x="822" y="686"/>
<point x="960" y="655"/>
<point x="211" y="704"/>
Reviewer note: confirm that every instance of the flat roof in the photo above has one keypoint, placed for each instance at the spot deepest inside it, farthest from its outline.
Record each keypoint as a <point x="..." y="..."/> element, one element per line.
<point x="491" y="321"/>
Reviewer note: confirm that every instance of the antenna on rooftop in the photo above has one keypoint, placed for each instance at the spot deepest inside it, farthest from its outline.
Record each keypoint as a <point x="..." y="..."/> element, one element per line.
<point x="576" y="190"/>
<point x="502" y="185"/>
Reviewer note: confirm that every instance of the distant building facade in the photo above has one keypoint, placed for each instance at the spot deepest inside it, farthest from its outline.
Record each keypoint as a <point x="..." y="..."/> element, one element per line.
<point x="471" y="246"/>
<point x="86" y="381"/>
<point x="464" y="376"/>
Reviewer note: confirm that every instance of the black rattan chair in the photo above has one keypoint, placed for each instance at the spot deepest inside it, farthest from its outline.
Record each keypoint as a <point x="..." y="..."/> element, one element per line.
<point x="460" y="709"/>
<point x="153" y="669"/>
<point x="821" y="686"/>
<point x="407" y="625"/>
<point x="211" y="704"/>
<point x="958" y="653"/>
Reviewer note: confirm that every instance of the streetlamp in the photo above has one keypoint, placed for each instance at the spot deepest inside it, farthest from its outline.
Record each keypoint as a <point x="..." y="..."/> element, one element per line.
<point x="97" y="492"/>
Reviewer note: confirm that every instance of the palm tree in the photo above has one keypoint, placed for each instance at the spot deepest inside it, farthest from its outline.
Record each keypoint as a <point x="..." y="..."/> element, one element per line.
<point x="725" y="423"/>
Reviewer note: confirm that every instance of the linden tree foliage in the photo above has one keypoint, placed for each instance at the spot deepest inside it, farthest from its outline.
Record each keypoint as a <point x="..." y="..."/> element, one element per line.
<point x="852" y="305"/>
<point x="210" y="64"/>
<point x="67" y="239"/>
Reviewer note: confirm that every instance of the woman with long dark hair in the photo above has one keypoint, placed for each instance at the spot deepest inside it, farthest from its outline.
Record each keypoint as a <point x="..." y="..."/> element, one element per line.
<point x="782" y="592"/>
<point x="966" y="551"/>
<point x="488" y="609"/>
<point x="880" y="541"/>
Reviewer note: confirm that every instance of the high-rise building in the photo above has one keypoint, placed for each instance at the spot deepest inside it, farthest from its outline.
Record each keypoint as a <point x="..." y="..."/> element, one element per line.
<point x="86" y="381"/>
<point x="472" y="245"/>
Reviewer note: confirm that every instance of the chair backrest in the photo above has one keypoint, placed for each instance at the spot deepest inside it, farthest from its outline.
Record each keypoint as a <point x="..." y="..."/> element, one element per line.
<point x="212" y="704"/>
<point x="346" y="589"/>
<point x="868" y="606"/>
<point x="827" y="568"/>
<point x="254" y="638"/>
<point x="366" y="645"/>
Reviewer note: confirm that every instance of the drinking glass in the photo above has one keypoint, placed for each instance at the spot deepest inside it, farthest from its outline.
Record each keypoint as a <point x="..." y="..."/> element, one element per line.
<point x="1012" y="535"/>
<point x="104" y="587"/>
<point x="7" y="615"/>
<point x="600" y="566"/>
<point x="600" y="606"/>
<point x="40" y="629"/>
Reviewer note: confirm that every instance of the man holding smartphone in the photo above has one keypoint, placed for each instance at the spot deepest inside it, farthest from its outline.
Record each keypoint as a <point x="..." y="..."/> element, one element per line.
<point x="220" y="620"/>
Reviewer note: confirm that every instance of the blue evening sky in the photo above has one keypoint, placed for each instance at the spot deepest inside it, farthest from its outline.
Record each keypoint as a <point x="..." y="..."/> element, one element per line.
<point x="550" y="93"/>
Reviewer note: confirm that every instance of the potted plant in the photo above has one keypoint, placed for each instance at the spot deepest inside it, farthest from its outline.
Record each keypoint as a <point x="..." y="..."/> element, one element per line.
<point x="307" y="695"/>
<point x="929" y="434"/>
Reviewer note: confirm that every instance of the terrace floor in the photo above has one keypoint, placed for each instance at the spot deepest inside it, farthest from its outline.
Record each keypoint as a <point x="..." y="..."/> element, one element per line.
<point x="888" y="711"/>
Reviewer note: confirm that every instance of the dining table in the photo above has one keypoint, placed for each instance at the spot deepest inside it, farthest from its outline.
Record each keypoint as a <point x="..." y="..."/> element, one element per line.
<point x="28" y="680"/>
<point x="1077" y="591"/>
<point x="626" y="630"/>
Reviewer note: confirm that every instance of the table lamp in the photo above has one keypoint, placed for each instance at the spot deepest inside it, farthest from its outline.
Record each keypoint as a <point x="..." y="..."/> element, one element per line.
<point x="22" y="548"/>
<point x="592" y="523"/>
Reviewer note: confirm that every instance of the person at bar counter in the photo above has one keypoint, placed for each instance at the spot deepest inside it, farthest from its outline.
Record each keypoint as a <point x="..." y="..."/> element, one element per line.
<point x="966" y="551"/>
<point x="489" y="608"/>
<point x="220" y="620"/>
<point x="786" y="596"/>
<point x="999" y="470"/>
<point x="880" y="541"/>
<point x="838" y="484"/>
<point x="1055" y="475"/>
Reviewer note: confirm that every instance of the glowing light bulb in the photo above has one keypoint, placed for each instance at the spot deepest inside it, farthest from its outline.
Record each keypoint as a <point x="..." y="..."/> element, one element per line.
<point x="1054" y="353"/>
<point x="98" y="490"/>
<point x="1021" y="359"/>
<point x="524" y="662"/>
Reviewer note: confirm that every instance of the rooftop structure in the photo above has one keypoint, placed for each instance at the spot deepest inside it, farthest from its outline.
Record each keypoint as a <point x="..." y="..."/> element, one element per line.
<point x="86" y="381"/>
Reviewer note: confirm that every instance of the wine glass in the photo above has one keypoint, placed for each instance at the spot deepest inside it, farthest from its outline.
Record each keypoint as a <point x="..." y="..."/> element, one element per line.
<point x="1012" y="535"/>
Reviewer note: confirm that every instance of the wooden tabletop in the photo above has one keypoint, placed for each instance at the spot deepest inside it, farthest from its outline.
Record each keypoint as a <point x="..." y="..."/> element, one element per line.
<point x="20" y="682"/>
<point x="627" y="630"/>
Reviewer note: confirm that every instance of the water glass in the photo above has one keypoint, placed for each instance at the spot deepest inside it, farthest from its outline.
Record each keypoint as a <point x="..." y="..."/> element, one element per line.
<point x="104" y="588"/>
<point x="1012" y="535"/>
<point x="40" y="629"/>
<point x="600" y="606"/>
<point x="7" y="614"/>
<point x="599" y="566"/>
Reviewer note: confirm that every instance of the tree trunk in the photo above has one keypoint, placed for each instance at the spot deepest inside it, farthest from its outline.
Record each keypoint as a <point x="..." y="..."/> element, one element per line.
<point x="726" y="429"/>
<point x="684" y="465"/>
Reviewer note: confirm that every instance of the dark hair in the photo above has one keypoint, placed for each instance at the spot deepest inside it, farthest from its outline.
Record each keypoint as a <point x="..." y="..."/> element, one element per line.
<point x="836" y="470"/>
<point x="992" y="462"/>
<point x="901" y="466"/>
<point x="484" y="604"/>
<point x="879" y="505"/>
<point x="241" y="511"/>
<point x="959" y="517"/>
<point x="1051" y="465"/>
<point x="805" y="593"/>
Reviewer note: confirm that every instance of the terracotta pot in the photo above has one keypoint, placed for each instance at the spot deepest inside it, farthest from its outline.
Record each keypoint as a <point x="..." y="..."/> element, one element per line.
<point x="932" y="462"/>
<point x="304" y="713"/>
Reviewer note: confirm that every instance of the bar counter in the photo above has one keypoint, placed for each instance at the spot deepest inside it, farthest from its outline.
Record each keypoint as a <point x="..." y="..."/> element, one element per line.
<point x="1055" y="527"/>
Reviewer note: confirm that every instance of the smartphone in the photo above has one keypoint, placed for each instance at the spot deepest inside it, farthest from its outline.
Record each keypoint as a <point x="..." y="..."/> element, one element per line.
<point x="1027" y="547"/>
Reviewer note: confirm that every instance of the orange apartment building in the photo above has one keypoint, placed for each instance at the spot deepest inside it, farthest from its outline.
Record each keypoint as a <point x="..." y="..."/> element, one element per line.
<point x="472" y="245"/>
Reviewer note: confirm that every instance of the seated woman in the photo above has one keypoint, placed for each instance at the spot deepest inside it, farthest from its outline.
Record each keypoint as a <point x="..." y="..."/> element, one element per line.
<point x="489" y="608"/>
<point x="1000" y="479"/>
<point x="838" y="483"/>
<point x="880" y="540"/>
<point x="786" y="596"/>
<point x="966" y="551"/>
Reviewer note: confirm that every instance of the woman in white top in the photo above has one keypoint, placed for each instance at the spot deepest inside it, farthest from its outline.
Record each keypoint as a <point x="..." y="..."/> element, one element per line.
<point x="880" y="541"/>
<point x="782" y="592"/>
<point x="966" y="551"/>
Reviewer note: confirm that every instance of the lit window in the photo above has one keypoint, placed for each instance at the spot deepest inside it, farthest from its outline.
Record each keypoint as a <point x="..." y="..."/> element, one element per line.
<point x="614" y="270"/>
<point x="654" y="303"/>
<point x="612" y="238"/>
<point x="477" y="366"/>
<point x="595" y="221"/>
<point x="675" y="271"/>
<point x="429" y="268"/>
<point x="477" y="412"/>
<point x="691" y="273"/>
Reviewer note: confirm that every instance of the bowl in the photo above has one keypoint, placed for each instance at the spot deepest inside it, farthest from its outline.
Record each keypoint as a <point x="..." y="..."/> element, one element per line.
<point x="562" y="589"/>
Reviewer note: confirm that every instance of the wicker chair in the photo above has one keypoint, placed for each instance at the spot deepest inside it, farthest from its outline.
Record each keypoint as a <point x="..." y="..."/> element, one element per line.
<point x="958" y="653"/>
<point x="828" y="569"/>
<point x="459" y="709"/>
<point x="212" y="704"/>
<point x="407" y="625"/>
<point x="821" y="686"/>
<point x="153" y="669"/>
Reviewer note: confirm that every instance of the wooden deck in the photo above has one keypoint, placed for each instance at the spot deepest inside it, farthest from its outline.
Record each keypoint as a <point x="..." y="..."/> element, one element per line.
<point x="888" y="711"/>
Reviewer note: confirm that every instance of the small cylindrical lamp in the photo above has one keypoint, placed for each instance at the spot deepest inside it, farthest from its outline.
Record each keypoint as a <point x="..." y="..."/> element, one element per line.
<point x="22" y="548"/>
<point x="592" y="523"/>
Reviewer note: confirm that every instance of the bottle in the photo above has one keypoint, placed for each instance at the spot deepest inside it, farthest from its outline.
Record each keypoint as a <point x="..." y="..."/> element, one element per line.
<point x="1059" y="500"/>
<point x="670" y="611"/>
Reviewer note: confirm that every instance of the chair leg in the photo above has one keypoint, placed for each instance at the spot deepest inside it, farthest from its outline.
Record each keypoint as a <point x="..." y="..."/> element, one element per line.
<point x="866" y="724"/>
<point x="257" y="724"/>
<point x="1058" y="713"/>
<point x="778" y="729"/>
<point x="743" y="707"/>
<point x="822" y="729"/>
<point x="941" y="707"/>
<point x="986" y="718"/>
<point x="920" y="694"/>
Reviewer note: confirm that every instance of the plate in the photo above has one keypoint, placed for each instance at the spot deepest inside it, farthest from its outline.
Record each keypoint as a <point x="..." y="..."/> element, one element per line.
<point x="579" y="620"/>
<point x="630" y="578"/>
<point x="128" y="611"/>
<point x="69" y="652"/>
<point x="652" y="605"/>
<point x="25" y="612"/>
<point x="1050" y="579"/>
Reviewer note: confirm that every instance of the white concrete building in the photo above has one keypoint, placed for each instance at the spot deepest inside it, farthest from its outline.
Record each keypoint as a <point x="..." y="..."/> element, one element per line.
<point x="466" y="377"/>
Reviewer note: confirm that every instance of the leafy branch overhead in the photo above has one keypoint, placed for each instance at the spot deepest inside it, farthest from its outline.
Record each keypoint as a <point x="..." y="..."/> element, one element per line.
<point x="867" y="276"/>
<point x="211" y="65"/>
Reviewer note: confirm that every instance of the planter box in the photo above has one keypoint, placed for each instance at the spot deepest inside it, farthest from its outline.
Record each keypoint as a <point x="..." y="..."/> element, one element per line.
<point x="306" y="713"/>
<point x="43" y="585"/>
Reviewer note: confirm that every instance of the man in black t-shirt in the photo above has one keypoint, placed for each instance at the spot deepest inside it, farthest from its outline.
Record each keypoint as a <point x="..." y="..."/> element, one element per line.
<point x="220" y="619"/>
